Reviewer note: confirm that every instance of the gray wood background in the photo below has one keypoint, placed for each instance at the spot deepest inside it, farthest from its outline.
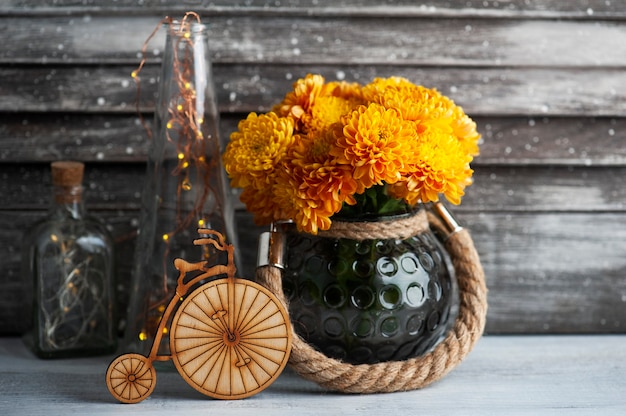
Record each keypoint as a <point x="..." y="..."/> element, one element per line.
<point x="544" y="79"/>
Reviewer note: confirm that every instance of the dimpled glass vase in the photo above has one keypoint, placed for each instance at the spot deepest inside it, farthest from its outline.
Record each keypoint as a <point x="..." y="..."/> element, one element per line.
<point x="368" y="300"/>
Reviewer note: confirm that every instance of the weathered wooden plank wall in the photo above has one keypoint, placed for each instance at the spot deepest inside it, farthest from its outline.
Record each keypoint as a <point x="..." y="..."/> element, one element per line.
<point x="544" y="79"/>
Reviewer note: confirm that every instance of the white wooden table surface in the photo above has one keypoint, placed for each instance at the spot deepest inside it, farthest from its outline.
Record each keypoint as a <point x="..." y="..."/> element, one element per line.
<point x="504" y="375"/>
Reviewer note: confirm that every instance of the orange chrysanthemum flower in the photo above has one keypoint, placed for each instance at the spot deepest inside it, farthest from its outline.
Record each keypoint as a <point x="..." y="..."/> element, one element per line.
<point x="297" y="103"/>
<point x="377" y="143"/>
<point x="309" y="214"/>
<point x="414" y="102"/>
<point x="314" y="104"/>
<point x="443" y="168"/>
<point x="465" y="130"/>
<point x="257" y="148"/>
<point x="328" y="110"/>
<point x="321" y="177"/>
<point x="348" y="91"/>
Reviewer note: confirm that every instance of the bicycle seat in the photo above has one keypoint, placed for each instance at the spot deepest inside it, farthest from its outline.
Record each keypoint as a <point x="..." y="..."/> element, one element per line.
<point x="186" y="266"/>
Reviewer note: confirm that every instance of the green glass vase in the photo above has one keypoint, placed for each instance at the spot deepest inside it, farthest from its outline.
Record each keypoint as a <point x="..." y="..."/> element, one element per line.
<point x="372" y="300"/>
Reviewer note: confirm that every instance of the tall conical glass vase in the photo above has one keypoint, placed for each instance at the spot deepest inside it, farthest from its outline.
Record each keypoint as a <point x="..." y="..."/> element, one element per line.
<point x="186" y="187"/>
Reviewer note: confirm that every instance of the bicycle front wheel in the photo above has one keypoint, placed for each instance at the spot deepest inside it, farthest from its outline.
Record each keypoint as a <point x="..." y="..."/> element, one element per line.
<point x="230" y="348"/>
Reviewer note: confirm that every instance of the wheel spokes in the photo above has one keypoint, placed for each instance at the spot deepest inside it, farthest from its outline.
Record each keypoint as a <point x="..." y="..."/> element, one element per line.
<point x="130" y="378"/>
<point x="231" y="353"/>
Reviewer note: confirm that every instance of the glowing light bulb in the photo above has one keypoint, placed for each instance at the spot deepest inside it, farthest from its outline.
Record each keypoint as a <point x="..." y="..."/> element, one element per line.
<point x="143" y="336"/>
<point x="166" y="237"/>
<point x="181" y="156"/>
<point x="201" y="223"/>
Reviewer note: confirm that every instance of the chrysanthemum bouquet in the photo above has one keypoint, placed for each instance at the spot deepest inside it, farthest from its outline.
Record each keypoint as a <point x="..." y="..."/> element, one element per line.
<point x="334" y="149"/>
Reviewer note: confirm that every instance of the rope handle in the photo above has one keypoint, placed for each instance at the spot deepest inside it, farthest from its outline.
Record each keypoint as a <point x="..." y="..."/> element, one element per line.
<point x="413" y="373"/>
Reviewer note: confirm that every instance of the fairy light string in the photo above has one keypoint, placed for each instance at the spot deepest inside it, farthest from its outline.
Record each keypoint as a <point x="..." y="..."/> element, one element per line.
<point x="73" y="305"/>
<point x="184" y="125"/>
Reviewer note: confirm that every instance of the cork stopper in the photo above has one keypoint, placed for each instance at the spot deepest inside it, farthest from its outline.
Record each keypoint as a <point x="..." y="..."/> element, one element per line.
<point x="67" y="173"/>
<point x="67" y="178"/>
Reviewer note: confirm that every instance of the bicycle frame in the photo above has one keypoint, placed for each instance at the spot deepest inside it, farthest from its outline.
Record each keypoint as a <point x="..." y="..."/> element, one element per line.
<point x="182" y="287"/>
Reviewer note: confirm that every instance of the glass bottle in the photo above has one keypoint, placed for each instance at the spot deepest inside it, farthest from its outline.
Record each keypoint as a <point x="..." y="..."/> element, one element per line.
<point x="186" y="186"/>
<point x="69" y="258"/>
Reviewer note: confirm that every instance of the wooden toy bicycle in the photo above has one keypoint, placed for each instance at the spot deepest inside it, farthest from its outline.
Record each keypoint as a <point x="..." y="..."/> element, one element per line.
<point x="230" y="338"/>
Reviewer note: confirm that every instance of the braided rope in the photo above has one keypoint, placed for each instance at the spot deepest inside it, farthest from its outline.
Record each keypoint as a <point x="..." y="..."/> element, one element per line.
<point x="413" y="373"/>
<point x="401" y="228"/>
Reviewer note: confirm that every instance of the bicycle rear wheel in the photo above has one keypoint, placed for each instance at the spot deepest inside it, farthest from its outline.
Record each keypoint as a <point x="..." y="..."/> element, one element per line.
<point x="131" y="378"/>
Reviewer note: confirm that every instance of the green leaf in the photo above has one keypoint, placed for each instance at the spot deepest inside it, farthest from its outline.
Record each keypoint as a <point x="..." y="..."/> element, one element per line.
<point x="373" y="201"/>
